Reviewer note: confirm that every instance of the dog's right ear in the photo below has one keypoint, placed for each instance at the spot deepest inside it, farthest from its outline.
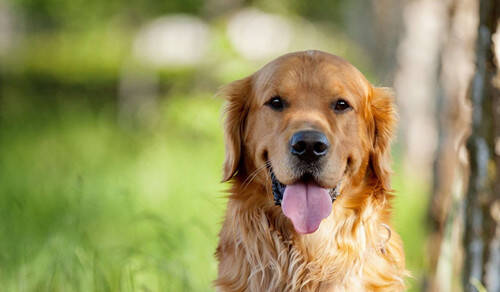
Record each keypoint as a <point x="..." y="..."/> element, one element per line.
<point x="237" y="95"/>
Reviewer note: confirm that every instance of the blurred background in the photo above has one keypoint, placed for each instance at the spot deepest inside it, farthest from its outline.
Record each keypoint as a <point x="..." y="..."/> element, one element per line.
<point x="111" y="142"/>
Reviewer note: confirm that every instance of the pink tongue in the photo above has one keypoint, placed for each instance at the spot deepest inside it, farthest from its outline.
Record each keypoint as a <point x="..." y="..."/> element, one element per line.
<point x="306" y="205"/>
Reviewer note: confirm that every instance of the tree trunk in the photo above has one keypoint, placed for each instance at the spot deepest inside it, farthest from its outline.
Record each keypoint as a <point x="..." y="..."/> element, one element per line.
<point x="482" y="204"/>
<point x="453" y="114"/>
<point x="416" y="81"/>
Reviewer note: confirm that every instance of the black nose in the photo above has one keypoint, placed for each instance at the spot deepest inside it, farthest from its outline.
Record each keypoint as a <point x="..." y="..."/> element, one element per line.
<point x="309" y="146"/>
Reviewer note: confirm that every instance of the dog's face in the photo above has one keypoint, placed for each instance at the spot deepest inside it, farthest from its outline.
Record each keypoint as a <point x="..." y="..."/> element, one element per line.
<point x="314" y="123"/>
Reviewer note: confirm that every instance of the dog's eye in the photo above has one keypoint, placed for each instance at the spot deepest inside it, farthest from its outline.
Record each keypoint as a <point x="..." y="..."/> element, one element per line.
<point x="341" y="105"/>
<point x="276" y="103"/>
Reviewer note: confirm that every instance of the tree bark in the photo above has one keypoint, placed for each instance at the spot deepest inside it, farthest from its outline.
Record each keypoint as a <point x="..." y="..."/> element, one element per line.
<point x="416" y="81"/>
<point x="453" y="115"/>
<point x="482" y="203"/>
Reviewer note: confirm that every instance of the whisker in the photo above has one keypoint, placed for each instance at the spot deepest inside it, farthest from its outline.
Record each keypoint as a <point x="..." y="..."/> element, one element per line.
<point x="254" y="174"/>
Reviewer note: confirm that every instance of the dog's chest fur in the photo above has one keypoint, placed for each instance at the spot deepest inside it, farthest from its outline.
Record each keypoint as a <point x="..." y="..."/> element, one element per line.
<point x="255" y="256"/>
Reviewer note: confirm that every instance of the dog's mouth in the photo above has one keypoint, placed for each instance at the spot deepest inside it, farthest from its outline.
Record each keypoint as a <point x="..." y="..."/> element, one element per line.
<point x="304" y="202"/>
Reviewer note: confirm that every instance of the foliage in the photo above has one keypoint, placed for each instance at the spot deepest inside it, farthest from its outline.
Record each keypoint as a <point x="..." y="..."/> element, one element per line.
<point x="88" y="206"/>
<point x="80" y="15"/>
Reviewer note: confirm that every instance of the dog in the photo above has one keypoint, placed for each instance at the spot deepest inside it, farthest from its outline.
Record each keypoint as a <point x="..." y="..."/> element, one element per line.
<point x="308" y="156"/>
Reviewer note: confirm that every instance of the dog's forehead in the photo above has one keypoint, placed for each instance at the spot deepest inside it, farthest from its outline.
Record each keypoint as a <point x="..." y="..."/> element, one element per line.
<point x="310" y="70"/>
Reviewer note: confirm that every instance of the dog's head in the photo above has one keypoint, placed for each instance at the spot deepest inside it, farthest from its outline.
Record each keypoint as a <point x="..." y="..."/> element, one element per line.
<point x="317" y="127"/>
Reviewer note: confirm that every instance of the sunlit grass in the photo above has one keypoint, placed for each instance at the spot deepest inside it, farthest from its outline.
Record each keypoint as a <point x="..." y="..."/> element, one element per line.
<point x="88" y="204"/>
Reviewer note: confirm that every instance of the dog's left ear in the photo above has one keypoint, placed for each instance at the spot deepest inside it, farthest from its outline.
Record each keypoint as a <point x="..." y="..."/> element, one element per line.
<point x="384" y="121"/>
<point x="237" y="95"/>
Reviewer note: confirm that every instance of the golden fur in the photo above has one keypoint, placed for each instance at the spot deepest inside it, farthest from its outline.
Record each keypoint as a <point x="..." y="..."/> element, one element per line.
<point x="354" y="249"/>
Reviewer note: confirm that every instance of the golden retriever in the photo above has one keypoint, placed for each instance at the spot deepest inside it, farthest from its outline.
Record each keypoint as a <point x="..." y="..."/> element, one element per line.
<point x="307" y="152"/>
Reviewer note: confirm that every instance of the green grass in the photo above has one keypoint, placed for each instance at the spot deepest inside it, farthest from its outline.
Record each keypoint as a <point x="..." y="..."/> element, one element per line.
<point x="89" y="204"/>
<point x="409" y="220"/>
